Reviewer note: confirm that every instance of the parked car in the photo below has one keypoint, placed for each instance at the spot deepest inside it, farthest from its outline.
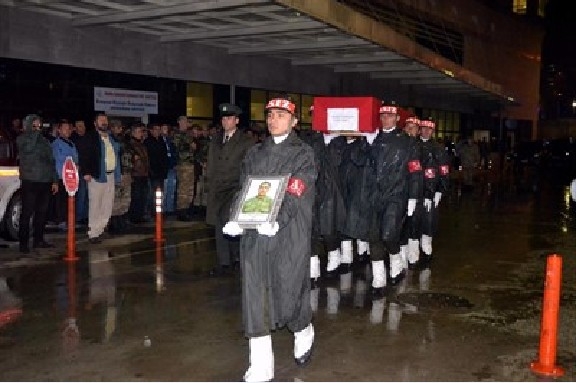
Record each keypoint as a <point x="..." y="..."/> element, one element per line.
<point x="10" y="202"/>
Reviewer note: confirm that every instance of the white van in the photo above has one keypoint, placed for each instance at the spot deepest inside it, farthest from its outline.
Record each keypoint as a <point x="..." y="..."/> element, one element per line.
<point x="10" y="202"/>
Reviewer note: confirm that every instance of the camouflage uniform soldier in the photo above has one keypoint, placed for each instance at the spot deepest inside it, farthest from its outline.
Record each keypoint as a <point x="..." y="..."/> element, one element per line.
<point x="201" y="156"/>
<point x="184" y="170"/>
<point x="119" y="221"/>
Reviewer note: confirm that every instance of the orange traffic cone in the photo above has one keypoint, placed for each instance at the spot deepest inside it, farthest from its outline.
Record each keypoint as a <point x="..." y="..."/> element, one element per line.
<point x="546" y="364"/>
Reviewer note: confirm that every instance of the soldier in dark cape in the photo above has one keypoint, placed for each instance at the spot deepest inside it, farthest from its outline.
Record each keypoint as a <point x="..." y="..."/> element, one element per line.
<point x="275" y="257"/>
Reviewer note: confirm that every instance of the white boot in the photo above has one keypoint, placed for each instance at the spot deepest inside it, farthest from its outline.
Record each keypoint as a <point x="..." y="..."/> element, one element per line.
<point x="377" y="312"/>
<point x="346" y="252"/>
<point x="395" y="265"/>
<point x="333" y="260"/>
<point x="413" y="251"/>
<point x="314" y="267"/>
<point x="378" y="274"/>
<point x="333" y="300"/>
<point x="303" y="341"/>
<point x="261" y="360"/>
<point x="362" y="247"/>
<point x="426" y="244"/>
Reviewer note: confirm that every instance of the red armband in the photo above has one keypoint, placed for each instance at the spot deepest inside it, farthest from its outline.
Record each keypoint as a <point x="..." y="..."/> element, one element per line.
<point x="296" y="186"/>
<point x="429" y="173"/>
<point x="414" y="166"/>
<point x="444" y="170"/>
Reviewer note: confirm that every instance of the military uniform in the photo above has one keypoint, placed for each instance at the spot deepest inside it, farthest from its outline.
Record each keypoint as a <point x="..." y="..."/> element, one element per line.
<point x="223" y="174"/>
<point x="122" y="190"/>
<point x="184" y="174"/>
<point x="258" y="204"/>
<point x="436" y="178"/>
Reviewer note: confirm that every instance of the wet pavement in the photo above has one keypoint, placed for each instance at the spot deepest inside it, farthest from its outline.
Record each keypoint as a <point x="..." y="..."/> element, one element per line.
<point x="132" y="310"/>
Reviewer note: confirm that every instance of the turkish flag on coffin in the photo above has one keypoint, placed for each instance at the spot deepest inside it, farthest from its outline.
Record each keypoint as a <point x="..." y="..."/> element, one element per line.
<point x="346" y="114"/>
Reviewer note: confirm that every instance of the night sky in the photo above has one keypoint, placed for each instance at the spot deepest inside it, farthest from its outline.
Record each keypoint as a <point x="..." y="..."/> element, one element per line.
<point x="559" y="45"/>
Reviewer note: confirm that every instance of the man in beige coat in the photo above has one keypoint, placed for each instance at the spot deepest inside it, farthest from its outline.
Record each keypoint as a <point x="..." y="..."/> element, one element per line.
<point x="225" y="154"/>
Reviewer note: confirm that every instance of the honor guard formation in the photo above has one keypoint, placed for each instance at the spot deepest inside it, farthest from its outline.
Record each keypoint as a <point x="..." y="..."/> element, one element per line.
<point x="360" y="189"/>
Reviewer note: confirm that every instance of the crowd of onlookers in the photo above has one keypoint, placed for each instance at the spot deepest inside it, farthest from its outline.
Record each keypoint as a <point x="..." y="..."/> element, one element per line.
<point x="147" y="157"/>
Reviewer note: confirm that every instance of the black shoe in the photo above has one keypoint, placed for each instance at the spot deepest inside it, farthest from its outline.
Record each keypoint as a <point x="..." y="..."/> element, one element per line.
<point x="220" y="271"/>
<point x="344" y="268"/>
<point x="333" y="274"/>
<point x="313" y="283"/>
<point x="362" y="258"/>
<point x="304" y="359"/>
<point x="425" y="260"/>
<point x="413" y="266"/>
<point x="42" y="245"/>
<point x="377" y="292"/>
<point x="397" y="279"/>
<point x="95" y="240"/>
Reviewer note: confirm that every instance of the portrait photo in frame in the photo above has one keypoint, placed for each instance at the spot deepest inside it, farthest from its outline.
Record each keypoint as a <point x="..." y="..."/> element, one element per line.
<point x="260" y="200"/>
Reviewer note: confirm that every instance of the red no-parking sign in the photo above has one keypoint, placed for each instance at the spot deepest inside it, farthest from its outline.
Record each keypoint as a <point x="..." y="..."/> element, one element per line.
<point x="70" y="176"/>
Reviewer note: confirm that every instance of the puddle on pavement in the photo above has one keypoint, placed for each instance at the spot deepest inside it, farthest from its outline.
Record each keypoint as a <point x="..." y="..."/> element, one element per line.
<point x="429" y="301"/>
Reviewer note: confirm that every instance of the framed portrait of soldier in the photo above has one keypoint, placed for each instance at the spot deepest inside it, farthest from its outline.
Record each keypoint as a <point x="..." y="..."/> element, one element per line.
<point x="260" y="200"/>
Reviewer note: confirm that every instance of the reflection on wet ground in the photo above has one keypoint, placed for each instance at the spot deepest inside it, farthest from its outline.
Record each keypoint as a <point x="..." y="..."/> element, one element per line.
<point x="134" y="310"/>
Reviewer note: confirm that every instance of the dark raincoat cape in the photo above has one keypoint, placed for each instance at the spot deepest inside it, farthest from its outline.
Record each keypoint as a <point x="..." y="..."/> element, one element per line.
<point x="275" y="270"/>
<point x="411" y="228"/>
<point x="355" y="185"/>
<point x="329" y="211"/>
<point x="397" y="174"/>
<point x="435" y="164"/>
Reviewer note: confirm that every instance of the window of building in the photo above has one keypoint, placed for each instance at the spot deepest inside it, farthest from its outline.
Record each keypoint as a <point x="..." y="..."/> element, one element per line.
<point x="199" y="100"/>
<point x="519" y="7"/>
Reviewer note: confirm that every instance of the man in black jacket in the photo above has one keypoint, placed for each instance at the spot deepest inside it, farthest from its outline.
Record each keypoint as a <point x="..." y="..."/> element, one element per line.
<point x="158" y="156"/>
<point x="225" y="154"/>
<point x="39" y="180"/>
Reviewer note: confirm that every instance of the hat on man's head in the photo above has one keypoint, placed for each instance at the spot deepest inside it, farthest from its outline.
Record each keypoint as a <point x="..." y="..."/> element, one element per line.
<point x="282" y="102"/>
<point x="413" y="120"/>
<point x="28" y="120"/>
<point x="429" y="123"/>
<point x="229" y="110"/>
<point x="389" y="107"/>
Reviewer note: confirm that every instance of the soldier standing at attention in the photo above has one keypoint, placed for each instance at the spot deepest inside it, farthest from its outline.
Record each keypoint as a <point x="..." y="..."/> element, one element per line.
<point x="119" y="220"/>
<point x="184" y="170"/>
<point x="225" y="154"/>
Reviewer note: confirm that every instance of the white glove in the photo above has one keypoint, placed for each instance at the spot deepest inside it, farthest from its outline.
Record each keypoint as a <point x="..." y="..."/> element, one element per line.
<point x="232" y="228"/>
<point x="328" y="137"/>
<point x="370" y="137"/>
<point x="573" y="189"/>
<point x="411" y="206"/>
<point x="269" y="229"/>
<point x="428" y="204"/>
<point x="437" y="198"/>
